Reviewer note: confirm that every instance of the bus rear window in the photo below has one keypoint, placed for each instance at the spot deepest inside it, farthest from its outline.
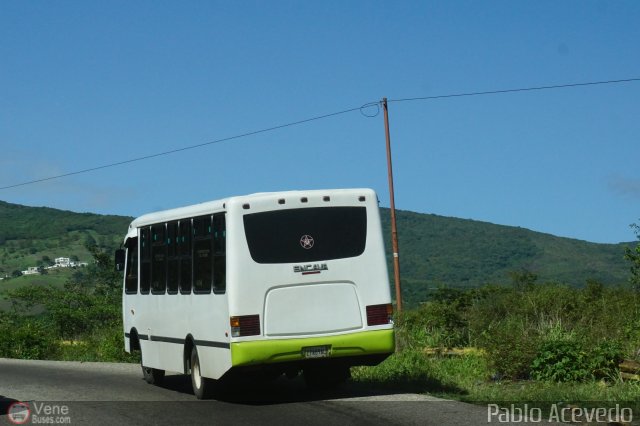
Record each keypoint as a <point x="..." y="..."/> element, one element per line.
<point x="306" y="235"/>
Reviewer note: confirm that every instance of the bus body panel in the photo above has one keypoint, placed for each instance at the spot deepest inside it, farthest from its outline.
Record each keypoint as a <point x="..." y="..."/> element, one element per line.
<point x="167" y="321"/>
<point x="163" y="355"/>
<point x="362" y="343"/>
<point x="214" y="362"/>
<point x="314" y="308"/>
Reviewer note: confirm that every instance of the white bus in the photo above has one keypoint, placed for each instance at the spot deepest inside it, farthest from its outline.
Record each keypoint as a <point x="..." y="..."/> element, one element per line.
<point x="272" y="283"/>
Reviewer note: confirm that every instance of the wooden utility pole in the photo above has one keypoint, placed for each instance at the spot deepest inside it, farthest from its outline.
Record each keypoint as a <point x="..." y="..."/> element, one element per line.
<point x="394" y="230"/>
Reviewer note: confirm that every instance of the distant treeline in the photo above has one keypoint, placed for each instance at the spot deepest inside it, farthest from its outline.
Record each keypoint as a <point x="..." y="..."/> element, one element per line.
<point x="21" y="222"/>
<point x="438" y="251"/>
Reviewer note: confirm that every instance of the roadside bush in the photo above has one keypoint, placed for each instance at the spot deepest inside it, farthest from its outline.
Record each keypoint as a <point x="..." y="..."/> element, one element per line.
<point x="104" y="345"/>
<point x="553" y="332"/>
<point x="511" y="345"/>
<point x="608" y="313"/>
<point x="27" y="338"/>
<point x="572" y="360"/>
<point x="560" y="361"/>
<point x="605" y="359"/>
<point x="109" y="344"/>
<point x="411" y="330"/>
<point x="439" y="323"/>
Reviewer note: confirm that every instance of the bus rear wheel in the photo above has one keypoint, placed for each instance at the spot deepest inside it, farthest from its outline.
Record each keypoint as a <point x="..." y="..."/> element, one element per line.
<point x="203" y="388"/>
<point x="153" y="376"/>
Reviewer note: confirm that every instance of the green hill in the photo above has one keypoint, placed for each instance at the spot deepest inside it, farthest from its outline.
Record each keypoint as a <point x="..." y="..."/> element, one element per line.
<point x="434" y="250"/>
<point x="34" y="236"/>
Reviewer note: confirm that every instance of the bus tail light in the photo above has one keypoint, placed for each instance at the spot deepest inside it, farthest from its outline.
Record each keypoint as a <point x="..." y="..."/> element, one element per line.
<point x="245" y="325"/>
<point x="379" y="314"/>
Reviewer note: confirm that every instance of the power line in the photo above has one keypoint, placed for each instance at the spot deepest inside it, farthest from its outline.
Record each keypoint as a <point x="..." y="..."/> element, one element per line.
<point x="526" y="89"/>
<point x="361" y="108"/>
<point x="186" y="148"/>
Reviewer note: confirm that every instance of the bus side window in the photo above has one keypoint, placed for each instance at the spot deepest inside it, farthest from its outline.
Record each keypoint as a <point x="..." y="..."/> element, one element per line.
<point x="145" y="260"/>
<point x="173" y="258"/>
<point x="158" y="259"/>
<point x="219" y="253"/>
<point x="202" y="255"/>
<point x="184" y="251"/>
<point x="131" y="273"/>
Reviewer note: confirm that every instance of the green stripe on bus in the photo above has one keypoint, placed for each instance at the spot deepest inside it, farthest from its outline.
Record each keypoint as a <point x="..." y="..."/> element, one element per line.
<point x="284" y="350"/>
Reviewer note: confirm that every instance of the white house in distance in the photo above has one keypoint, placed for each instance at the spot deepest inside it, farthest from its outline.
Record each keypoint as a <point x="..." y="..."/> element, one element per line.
<point x="65" y="262"/>
<point x="59" y="262"/>
<point x="62" y="262"/>
<point x="31" y="270"/>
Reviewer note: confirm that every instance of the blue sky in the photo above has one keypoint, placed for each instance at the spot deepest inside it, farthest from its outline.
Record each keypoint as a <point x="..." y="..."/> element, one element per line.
<point x="88" y="83"/>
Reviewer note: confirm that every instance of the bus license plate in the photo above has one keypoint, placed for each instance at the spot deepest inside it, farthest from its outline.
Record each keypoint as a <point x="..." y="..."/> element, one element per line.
<point x="315" y="352"/>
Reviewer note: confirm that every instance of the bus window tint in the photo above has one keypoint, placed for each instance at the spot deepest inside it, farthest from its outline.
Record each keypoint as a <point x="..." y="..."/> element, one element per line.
<point x="202" y="254"/>
<point x="173" y="259"/>
<point x="219" y="254"/>
<point x="306" y="235"/>
<point x="184" y="252"/>
<point x="145" y="260"/>
<point x="131" y="273"/>
<point x="158" y="259"/>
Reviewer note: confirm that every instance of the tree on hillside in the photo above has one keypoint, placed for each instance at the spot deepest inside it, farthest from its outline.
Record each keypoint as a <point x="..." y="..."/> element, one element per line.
<point x="89" y="241"/>
<point x="523" y="279"/>
<point x="633" y="255"/>
<point x="101" y="275"/>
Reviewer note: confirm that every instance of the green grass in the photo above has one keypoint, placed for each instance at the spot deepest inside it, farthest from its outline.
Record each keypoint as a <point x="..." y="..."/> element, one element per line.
<point x="469" y="378"/>
<point x="56" y="278"/>
<point x="411" y="370"/>
<point x="106" y="345"/>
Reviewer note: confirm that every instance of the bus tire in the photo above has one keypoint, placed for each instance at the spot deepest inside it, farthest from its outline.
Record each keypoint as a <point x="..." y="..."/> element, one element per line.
<point x="153" y="376"/>
<point x="203" y="388"/>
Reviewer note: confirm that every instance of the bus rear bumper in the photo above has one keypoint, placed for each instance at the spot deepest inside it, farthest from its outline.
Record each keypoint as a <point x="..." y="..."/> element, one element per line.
<point x="353" y="348"/>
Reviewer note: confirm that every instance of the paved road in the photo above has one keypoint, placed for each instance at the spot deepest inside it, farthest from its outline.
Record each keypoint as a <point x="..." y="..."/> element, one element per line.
<point x="115" y="394"/>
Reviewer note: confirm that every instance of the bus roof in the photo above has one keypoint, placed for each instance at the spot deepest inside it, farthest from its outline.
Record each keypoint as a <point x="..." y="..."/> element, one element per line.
<point x="223" y="204"/>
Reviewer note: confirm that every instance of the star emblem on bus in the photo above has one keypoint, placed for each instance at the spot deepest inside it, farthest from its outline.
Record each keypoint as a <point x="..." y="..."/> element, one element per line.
<point x="306" y="242"/>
